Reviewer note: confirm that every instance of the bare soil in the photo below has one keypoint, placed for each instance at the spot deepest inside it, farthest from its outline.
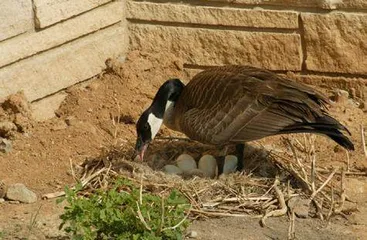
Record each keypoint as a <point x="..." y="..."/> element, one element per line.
<point x="101" y="114"/>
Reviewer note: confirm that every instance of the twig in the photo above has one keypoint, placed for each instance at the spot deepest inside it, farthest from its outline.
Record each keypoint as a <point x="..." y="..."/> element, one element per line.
<point x="219" y="214"/>
<point x="141" y="190"/>
<point x="197" y="195"/>
<point x="283" y="207"/>
<point x="118" y="118"/>
<point x="174" y="138"/>
<point x="343" y="194"/>
<point x="236" y="199"/>
<point x="297" y="159"/>
<point x="291" y="229"/>
<point x="162" y="216"/>
<point x="142" y="218"/>
<point x="363" y="141"/>
<point x="343" y="172"/>
<point x="72" y="169"/>
<point x="348" y="161"/>
<point x="178" y="224"/>
<point x="84" y="182"/>
<point x="318" y="209"/>
<point x="323" y="185"/>
<point x="313" y="170"/>
<point x="268" y="204"/>
<point x="331" y="205"/>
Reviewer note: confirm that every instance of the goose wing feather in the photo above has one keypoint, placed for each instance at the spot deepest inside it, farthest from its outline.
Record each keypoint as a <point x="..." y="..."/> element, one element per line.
<point x="239" y="104"/>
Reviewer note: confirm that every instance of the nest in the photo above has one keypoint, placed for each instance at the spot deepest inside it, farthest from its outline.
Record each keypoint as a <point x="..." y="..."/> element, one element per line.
<point x="276" y="182"/>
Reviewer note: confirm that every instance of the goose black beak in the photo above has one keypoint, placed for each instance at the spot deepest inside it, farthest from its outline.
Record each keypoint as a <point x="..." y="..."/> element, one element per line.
<point x="140" y="148"/>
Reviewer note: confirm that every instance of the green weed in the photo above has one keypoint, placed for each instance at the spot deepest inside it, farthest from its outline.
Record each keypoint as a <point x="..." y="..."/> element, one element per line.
<point x="124" y="212"/>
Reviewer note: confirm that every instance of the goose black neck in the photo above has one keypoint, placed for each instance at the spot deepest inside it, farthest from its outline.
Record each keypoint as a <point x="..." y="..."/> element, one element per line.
<point x="169" y="91"/>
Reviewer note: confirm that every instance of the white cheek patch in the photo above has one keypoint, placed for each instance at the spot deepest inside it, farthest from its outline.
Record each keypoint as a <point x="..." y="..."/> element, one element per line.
<point x="155" y="124"/>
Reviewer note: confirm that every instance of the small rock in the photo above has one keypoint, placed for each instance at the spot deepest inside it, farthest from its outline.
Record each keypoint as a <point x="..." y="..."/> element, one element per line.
<point x="172" y="169"/>
<point x="230" y="164"/>
<point x="349" y="207"/>
<point x="208" y="165"/>
<point x="2" y="200"/>
<point x="5" y="145"/>
<point x="7" y="127"/>
<point x="363" y="105"/>
<point x="340" y="96"/>
<point x="194" y="173"/>
<point x="299" y="206"/>
<point x="71" y="121"/>
<point x="19" y="192"/>
<point x="192" y="234"/>
<point x="3" y="189"/>
<point x="185" y="162"/>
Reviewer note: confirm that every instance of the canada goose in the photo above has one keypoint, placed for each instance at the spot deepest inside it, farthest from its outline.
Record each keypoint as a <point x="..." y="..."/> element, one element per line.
<point x="236" y="104"/>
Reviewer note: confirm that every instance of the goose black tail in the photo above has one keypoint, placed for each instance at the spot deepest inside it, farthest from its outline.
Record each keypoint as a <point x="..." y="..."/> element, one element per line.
<point x="324" y="125"/>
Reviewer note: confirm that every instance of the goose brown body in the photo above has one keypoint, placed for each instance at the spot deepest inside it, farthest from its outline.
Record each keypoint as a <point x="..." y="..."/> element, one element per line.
<point x="236" y="104"/>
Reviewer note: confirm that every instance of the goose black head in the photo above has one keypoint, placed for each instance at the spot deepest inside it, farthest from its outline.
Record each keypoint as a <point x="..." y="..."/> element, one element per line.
<point x="151" y="120"/>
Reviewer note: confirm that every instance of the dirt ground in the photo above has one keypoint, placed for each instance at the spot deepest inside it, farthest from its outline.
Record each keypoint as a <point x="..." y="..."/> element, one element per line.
<point x="101" y="114"/>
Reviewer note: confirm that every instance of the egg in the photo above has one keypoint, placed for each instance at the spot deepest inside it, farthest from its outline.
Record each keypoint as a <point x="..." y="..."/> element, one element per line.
<point x="185" y="162"/>
<point x="208" y="165"/>
<point x="230" y="164"/>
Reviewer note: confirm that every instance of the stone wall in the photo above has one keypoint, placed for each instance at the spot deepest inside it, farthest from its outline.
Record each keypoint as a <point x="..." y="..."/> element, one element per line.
<point x="48" y="45"/>
<point x="319" y="41"/>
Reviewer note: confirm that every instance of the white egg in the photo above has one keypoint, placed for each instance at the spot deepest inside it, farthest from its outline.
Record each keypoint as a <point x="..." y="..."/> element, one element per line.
<point x="208" y="165"/>
<point x="230" y="164"/>
<point x="185" y="162"/>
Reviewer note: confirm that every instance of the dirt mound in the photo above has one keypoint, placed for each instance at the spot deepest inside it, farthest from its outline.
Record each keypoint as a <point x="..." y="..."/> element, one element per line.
<point x="15" y="115"/>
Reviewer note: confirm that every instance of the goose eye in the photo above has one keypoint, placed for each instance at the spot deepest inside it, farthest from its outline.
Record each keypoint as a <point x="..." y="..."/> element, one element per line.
<point x="146" y="127"/>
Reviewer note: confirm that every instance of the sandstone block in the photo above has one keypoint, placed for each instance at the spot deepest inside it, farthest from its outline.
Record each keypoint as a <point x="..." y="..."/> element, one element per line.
<point x="50" y="12"/>
<point x="61" y="67"/>
<point x="336" y="42"/>
<point x="211" y="15"/>
<point x="15" y="17"/>
<point x="30" y="44"/>
<point x="45" y="108"/>
<point x="276" y="51"/>
<point x="324" y="4"/>
<point x="357" y="87"/>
